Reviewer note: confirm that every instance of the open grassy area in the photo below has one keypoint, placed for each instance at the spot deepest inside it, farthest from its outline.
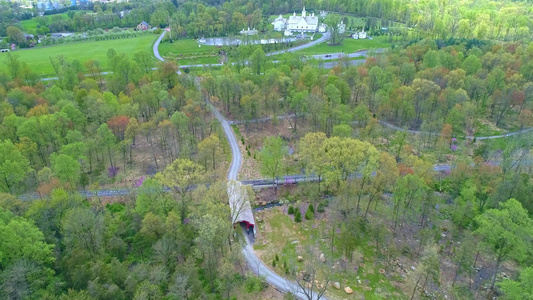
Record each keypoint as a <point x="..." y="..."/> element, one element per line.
<point x="280" y="235"/>
<point x="39" y="58"/>
<point x="30" y="26"/>
<point x="349" y="45"/>
<point x="183" y="47"/>
<point x="198" y="61"/>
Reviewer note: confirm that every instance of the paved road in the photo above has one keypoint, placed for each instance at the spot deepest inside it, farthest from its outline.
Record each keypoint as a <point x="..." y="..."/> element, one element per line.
<point x="390" y="125"/>
<point x="322" y="39"/>
<point x="254" y="263"/>
<point x="468" y="137"/>
<point x="156" y="46"/>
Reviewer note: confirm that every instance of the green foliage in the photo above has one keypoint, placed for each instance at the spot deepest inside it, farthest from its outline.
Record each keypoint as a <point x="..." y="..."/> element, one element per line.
<point x="66" y="168"/>
<point x="291" y="210"/>
<point x="254" y="284"/>
<point x="21" y="239"/>
<point x="13" y="166"/>
<point x="297" y="216"/>
<point x="309" y="215"/>
<point x="506" y="232"/>
<point x="311" y="208"/>
<point x="321" y="207"/>
<point x="522" y="288"/>
<point x="271" y="156"/>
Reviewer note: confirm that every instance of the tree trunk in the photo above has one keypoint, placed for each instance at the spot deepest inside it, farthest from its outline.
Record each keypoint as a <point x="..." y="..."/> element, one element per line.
<point x="498" y="262"/>
<point x="414" y="290"/>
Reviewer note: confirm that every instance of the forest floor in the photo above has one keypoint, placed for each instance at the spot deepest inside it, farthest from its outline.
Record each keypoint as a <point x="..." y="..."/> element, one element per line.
<point x="371" y="274"/>
<point x="254" y="135"/>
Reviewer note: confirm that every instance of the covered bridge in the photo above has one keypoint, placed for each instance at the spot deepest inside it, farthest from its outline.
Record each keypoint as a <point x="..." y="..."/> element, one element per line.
<point x="239" y="202"/>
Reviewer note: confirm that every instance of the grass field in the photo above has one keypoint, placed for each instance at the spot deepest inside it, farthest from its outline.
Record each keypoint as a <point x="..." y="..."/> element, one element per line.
<point x="30" y="26"/>
<point x="187" y="47"/>
<point x="349" y="45"/>
<point x="197" y="61"/>
<point x="39" y="58"/>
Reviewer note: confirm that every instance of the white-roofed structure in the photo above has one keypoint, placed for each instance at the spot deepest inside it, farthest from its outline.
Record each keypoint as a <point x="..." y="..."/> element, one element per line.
<point x="239" y="202"/>
<point x="280" y="23"/>
<point x="303" y="23"/>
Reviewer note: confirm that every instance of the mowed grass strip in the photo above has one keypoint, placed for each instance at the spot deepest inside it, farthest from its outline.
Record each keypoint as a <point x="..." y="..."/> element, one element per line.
<point x="39" y="58"/>
<point x="185" y="46"/>
<point x="349" y="45"/>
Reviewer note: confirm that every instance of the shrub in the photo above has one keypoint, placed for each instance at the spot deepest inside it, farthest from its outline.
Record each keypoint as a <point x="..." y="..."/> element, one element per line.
<point x="309" y="215"/>
<point x="311" y="208"/>
<point x="277" y="257"/>
<point x="274" y="263"/>
<point x="320" y="208"/>
<point x="297" y="216"/>
<point x="291" y="210"/>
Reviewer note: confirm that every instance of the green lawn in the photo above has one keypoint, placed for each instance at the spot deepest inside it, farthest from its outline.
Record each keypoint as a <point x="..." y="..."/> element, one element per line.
<point x="30" y="26"/>
<point x="349" y="45"/>
<point x="197" y="61"/>
<point x="39" y="58"/>
<point x="188" y="47"/>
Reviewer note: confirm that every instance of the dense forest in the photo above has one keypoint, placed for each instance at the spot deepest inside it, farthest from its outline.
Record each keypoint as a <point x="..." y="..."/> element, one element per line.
<point x="422" y="86"/>
<point x="462" y="71"/>
<point x="499" y="20"/>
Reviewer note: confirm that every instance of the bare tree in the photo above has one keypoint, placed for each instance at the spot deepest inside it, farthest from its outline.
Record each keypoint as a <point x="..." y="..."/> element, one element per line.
<point x="312" y="276"/>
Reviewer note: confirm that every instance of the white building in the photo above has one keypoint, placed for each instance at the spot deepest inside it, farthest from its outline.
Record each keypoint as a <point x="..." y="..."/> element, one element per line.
<point x="303" y="23"/>
<point x="248" y="32"/>
<point x="280" y="23"/>
<point x="359" y="35"/>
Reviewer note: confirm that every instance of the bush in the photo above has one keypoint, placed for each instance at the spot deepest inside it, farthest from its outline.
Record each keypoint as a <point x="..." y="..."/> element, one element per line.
<point x="309" y="215"/>
<point x="298" y="216"/>
<point x="277" y="257"/>
<point x="320" y="208"/>
<point x="291" y="210"/>
<point x="254" y="284"/>
<point x="311" y="208"/>
<point x="274" y="263"/>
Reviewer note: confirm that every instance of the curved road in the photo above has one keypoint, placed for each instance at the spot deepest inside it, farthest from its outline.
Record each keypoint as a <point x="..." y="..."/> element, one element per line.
<point x="156" y="46"/>
<point x="254" y="263"/>
<point x="322" y="39"/>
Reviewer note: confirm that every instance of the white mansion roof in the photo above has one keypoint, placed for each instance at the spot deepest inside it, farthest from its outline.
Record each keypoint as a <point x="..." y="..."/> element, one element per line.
<point x="303" y="20"/>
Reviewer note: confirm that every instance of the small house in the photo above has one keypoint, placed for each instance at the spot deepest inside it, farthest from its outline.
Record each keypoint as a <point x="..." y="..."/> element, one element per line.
<point x="279" y="23"/>
<point x="143" y="26"/>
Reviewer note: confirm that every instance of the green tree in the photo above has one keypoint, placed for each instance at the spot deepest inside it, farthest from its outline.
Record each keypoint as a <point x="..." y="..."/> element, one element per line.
<point x="258" y="60"/>
<point x="83" y="228"/>
<point x="506" y="231"/>
<point x="66" y="168"/>
<point x="271" y="156"/>
<point x="13" y="166"/>
<point x="522" y="288"/>
<point x="21" y="239"/>
<point x="471" y="64"/>
<point x="106" y="139"/>
<point x="297" y="216"/>
<point x="210" y="150"/>
<point x="16" y="36"/>
<point x="180" y="176"/>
